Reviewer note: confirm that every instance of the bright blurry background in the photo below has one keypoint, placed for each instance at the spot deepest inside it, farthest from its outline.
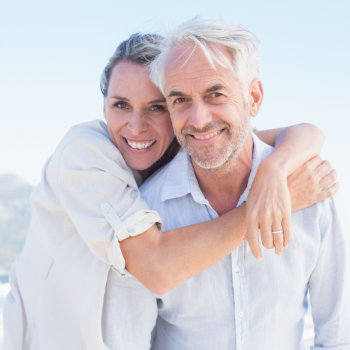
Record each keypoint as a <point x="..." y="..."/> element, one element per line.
<point x="52" y="54"/>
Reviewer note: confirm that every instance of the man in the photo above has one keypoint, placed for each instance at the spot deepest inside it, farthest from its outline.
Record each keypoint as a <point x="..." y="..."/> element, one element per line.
<point x="208" y="73"/>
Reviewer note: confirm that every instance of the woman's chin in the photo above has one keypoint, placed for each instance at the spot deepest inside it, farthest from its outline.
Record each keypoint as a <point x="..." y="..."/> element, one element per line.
<point x="140" y="166"/>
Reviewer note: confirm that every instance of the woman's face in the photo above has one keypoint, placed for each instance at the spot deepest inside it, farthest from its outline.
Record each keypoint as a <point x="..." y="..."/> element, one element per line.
<point x="137" y="115"/>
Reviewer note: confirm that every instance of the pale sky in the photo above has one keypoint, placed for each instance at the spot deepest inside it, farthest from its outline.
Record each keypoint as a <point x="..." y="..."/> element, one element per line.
<point x="53" y="52"/>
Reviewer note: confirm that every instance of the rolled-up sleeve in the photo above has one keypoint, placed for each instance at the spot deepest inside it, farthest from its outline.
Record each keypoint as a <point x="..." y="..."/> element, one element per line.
<point x="330" y="282"/>
<point x="100" y="196"/>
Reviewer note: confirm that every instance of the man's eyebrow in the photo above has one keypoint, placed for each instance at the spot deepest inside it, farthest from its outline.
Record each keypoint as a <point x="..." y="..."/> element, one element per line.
<point x="215" y="88"/>
<point x="209" y="89"/>
<point x="176" y="93"/>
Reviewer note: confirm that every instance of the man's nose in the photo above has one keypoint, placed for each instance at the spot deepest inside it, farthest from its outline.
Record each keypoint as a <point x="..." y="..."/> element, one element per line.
<point x="137" y="123"/>
<point x="200" y="115"/>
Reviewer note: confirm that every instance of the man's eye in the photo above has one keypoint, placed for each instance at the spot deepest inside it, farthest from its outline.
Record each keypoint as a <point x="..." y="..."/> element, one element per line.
<point x="215" y="97"/>
<point x="180" y="100"/>
<point x="121" y="105"/>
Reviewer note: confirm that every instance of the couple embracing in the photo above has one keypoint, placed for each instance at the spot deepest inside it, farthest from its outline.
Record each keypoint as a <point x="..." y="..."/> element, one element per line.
<point x="196" y="258"/>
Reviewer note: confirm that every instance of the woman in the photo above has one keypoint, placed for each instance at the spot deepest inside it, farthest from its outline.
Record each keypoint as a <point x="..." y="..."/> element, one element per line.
<point x="88" y="215"/>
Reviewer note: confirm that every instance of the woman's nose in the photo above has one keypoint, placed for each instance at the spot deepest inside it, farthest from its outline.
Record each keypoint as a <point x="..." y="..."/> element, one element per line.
<point x="137" y="123"/>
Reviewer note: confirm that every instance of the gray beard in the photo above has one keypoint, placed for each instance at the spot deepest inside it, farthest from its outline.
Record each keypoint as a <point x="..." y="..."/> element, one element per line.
<point x="237" y="139"/>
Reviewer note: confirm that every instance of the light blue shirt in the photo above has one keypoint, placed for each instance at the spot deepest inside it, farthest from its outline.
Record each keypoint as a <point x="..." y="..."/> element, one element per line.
<point x="244" y="304"/>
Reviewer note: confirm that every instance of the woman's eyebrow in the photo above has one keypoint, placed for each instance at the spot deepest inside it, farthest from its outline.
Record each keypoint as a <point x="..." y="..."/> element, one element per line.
<point x="159" y="100"/>
<point x="119" y="98"/>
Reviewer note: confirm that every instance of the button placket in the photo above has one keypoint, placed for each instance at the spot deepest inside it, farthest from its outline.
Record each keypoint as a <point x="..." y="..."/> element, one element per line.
<point x="236" y="282"/>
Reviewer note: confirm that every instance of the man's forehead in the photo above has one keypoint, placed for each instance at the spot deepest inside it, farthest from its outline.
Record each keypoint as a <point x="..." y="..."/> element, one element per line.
<point x="179" y="56"/>
<point x="189" y="63"/>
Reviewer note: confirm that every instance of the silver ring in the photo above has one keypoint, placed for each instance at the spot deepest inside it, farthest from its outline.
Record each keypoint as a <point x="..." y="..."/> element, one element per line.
<point x="276" y="232"/>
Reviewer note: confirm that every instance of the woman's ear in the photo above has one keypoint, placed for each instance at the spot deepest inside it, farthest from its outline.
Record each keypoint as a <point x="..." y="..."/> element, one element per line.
<point x="255" y="98"/>
<point x="104" y="106"/>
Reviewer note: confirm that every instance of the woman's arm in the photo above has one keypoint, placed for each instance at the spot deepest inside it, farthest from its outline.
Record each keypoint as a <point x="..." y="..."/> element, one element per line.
<point x="269" y="203"/>
<point x="100" y="199"/>
<point x="162" y="260"/>
<point x="294" y="145"/>
<point x="96" y="192"/>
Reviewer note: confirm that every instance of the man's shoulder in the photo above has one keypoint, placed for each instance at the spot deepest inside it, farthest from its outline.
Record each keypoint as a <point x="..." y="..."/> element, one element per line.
<point x="334" y="210"/>
<point x="325" y="218"/>
<point x="164" y="177"/>
<point x="156" y="181"/>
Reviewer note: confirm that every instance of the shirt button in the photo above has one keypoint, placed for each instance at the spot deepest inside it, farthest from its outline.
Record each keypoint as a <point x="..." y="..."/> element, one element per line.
<point x="236" y="269"/>
<point x="241" y="314"/>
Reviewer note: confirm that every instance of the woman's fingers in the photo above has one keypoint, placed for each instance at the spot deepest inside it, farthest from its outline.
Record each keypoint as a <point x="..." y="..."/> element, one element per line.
<point x="329" y="191"/>
<point x="278" y="240"/>
<point x="253" y="238"/>
<point x="287" y="228"/>
<point x="312" y="182"/>
<point x="281" y="233"/>
<point x="328" y="179"/>
<point x="268" y="207"/>
<point x="312" y="164"/>
<point x="322" y="170"/>
<point x="266" y="235"/>
<point x="276" y="235"/>
<point x="269" y="201"/>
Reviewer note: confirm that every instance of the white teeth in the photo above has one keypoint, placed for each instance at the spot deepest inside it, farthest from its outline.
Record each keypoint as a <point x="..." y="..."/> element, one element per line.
<point x="140" y="145"/>
<point x="207" y="136"/>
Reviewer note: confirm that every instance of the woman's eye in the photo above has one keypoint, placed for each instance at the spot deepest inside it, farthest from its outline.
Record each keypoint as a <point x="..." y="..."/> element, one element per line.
<point x="158" y="108"/>
<point x="121" y="105"/>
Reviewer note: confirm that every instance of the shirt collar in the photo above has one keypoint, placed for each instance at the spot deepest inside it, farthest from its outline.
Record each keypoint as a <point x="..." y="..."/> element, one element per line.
<point x="181" y="179"/>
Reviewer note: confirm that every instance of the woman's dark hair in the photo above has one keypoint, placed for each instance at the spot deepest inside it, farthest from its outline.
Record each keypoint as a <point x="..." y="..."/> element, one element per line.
<point x="139" y="48"/>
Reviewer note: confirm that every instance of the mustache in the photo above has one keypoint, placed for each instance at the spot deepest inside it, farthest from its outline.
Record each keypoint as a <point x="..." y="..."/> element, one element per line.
<point x="209" y="127"/>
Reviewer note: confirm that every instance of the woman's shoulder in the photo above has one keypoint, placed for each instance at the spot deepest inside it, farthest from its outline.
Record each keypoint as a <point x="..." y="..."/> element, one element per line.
<point x="86" y="152"/>
<point x="95" y="129"/>
<point x="89" y="144"/>
<point x="89" y="137"/>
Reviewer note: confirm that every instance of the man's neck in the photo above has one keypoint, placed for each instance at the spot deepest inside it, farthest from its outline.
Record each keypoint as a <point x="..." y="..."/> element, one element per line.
<point x="223" y="186"/>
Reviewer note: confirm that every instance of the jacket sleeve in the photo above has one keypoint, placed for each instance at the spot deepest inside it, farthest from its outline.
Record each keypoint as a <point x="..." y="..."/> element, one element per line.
<point x="100" y="196"/>
<point x="330" y="281"/>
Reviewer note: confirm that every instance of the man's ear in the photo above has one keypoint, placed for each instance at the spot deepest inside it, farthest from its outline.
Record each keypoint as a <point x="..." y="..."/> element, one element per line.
<point x="255" y="98"/>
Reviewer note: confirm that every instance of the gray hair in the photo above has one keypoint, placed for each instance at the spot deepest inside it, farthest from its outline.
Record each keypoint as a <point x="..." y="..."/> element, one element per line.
<point x="139" y="48"/>
<point x="242" y="44"/>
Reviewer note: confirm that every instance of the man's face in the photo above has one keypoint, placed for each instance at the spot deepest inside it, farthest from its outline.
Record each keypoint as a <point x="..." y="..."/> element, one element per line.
<point x="207" y="107"/>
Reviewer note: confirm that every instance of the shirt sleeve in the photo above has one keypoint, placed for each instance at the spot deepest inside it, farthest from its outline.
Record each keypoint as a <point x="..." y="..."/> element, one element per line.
<point x="100" y="196"/>
<point x="330" y="281"/>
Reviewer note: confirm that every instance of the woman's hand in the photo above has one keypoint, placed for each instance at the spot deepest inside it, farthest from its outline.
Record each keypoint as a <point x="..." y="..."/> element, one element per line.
<point x="273" y="196"/>
<point x="268" y="209"/>
<point x="312" y="182"/>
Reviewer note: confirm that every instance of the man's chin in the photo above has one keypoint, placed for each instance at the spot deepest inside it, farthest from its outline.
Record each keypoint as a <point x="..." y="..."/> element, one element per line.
<point x="210" y="163"/>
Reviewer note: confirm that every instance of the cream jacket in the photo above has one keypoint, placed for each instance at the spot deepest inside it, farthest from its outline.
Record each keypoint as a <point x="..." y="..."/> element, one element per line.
<point x="86" y="203"/>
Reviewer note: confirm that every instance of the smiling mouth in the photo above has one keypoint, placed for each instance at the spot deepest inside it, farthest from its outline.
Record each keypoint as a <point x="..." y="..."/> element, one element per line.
<point x="140" y="145"/>
<point x="208" y="136"/>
